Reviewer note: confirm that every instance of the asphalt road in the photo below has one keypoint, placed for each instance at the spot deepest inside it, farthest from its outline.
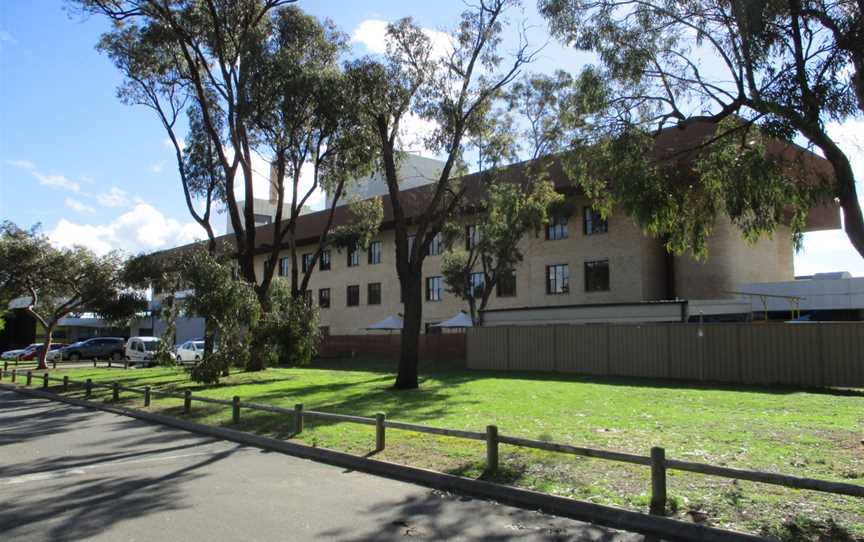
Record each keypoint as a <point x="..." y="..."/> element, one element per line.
<point x="70" y="473"/>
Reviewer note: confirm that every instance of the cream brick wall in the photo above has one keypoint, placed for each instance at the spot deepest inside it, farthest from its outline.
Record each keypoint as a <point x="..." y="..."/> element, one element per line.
<point x="636" y="272"/>
<point x="732" y="261"/>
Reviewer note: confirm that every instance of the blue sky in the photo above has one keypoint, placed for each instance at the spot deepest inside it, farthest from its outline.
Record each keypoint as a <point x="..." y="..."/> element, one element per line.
<point x="96" y="172"/>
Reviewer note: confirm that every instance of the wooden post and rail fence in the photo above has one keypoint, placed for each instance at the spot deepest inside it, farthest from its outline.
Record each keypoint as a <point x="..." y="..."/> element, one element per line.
<point x="657" y="460"/>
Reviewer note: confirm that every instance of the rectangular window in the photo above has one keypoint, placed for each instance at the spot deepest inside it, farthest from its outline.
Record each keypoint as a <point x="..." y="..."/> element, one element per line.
<point x="594" y="222"/>
<point x="434" y="288"/>
<point x="324" y="298"/>
<point x="374" y="252"/>
<point x="472" y="237"/>
<point x="557" y="279"/>
<point x="597" y="276"/>
<point x="478" y="283"/>
<point x="507" y="283"/>
<point x="353" y="256"/>
<point x="435" y="246"/>
<point x="556" y="228"/>
<point x="284" y="266"/>
<point x="306" y="263"/>
<point x="373" y="296"/>
<point x="353" y="295"/>
<point x="307" y="297"/>
<point x="324" y="261"/>
<point x="325" y="331"/>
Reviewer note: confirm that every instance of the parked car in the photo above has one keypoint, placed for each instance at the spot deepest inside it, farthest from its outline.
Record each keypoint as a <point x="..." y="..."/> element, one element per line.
<point x="13" y="354"/>
<point x="95" y="348"/>
<point x="191" y="350"/>
<point x="57" y="355"/>
<point x="140" y="350"/>
<point x="33" y="353"/>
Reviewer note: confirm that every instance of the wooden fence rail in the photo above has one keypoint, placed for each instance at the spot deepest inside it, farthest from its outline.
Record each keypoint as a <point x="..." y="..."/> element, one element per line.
<point x="657" y="460"/>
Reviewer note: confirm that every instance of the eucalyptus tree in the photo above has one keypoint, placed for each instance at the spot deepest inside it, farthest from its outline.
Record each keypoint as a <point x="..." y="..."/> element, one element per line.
<point x="241" y="66"/>
<point x="451" y="90"/>
<point x="758" y="70"/>
<point x="57" y="282"/>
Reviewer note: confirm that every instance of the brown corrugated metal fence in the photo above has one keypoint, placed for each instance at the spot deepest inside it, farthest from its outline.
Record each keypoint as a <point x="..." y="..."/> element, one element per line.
<point x="807" y="355"/>
<point x="436" y="347"/>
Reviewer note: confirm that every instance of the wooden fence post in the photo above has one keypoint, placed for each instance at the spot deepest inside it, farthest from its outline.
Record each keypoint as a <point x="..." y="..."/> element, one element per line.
<point x="29" y="377"/>
<point x="14" y="372"/>
<point x="54" y="364"/>
<point x="45" y="381"/>
<point x="126" y="364"/>
<point x="115" y="389"/>
<point x="379" y="432"/>
<point x="491" y="448"/>
<point x="146" y="396"/>
<point x="5" y="365"/>
<point x="298" y="418"/>
<point x="88" y="388"/>
<point x="658" y="481"/>
<point x="94" y="363"/>
<point x="187" y="402"/>
<point x="109" y="363"/>
<point x="235" y="409"/>
<point x="65" y="382"/>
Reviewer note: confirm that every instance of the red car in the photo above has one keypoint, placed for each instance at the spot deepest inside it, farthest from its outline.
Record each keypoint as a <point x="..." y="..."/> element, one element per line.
<point x="33" y="353"/>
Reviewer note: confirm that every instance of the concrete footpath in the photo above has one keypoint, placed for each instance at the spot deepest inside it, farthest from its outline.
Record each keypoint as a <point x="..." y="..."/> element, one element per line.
<point x="71" y="473"/>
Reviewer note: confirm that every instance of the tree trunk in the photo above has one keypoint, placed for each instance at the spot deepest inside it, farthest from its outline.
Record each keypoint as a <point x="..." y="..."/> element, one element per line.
<point x="43" y="355"/>
<point x="406" y="379"/>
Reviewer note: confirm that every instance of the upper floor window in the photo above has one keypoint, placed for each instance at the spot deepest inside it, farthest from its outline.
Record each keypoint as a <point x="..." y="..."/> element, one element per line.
<point x="353" y="295"/>
<point x="284" y="266"/>
<point x="507" y="283"/>
<point x="597" y="276"/>
<point x="435" y="246"/>
<point x="373" y="296"/>
<point x="324" y="298"/>
<point x="478" y="284"/>
<point x="594" y="222"/>
<point x="353" y="256"/>
<point x="434" y="288"/>
<point x="306" y="263"/>
<point x="557" y="279"/>
<point x="324" y="261"/>
<point x="374" y="252"/>
<point x="556" y="228"/>
<point x="472" y="237"/>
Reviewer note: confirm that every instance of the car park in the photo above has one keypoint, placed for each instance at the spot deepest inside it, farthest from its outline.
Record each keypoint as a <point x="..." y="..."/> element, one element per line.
<point x="140" y="350"/>
<point x="33" y="353"/>
<point x="13" y="354"/>
<point x="95" y="348"/>
<point x="191" y="350"/>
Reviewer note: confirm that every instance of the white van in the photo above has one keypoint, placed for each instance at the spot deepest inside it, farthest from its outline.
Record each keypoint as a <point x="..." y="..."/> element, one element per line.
<point x="141" y="349"/>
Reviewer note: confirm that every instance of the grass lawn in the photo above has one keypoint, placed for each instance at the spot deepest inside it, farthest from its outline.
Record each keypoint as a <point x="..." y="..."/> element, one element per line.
<point x="804" y="433"/>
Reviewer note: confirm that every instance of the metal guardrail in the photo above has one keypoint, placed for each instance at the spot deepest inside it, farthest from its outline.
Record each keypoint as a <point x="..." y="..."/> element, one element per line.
<point x="657" y="460"/>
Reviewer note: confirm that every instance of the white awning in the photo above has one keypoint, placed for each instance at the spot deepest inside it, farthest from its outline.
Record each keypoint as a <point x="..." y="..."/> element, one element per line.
<point x="460" y="320"/>
<point x="389" y="323"/>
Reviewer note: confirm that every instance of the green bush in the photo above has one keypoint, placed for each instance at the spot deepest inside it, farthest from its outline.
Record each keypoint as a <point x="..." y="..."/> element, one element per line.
<point x="288" y="333"/>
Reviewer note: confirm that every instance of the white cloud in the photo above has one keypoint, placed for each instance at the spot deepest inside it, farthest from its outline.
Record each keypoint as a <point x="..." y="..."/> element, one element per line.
<point x="142" y="229"/>
<point x="157" y="167"/>
<point x="6" y="37"/>
<point x="372" y="33"/>
<point x="76" y="205"/>
<point x="57" y="181"/>
<point x="113" y="198"/>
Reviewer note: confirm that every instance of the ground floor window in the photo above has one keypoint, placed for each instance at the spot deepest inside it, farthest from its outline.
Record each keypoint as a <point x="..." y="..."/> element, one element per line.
<point x="557" y="279"/>
<point x="374" y="293"/>
<point x="353" y="295"/>
<point x="434" y="288"/>
<point x="324" y="298"/>
<point x="597" y="276"/>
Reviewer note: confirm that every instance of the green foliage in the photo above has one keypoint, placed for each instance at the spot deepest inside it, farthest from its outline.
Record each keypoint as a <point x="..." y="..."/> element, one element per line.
<point x="507" y="213"/>
<point x="231" y="309"/>
<point x="783" y="70"/>
<point x="361" y="229"/>
<point x="289" y="330"/>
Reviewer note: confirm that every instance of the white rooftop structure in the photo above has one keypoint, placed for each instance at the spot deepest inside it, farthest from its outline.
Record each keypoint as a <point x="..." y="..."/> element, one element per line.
<point x="414" y="171"/>
<point x="821" y="292"/>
